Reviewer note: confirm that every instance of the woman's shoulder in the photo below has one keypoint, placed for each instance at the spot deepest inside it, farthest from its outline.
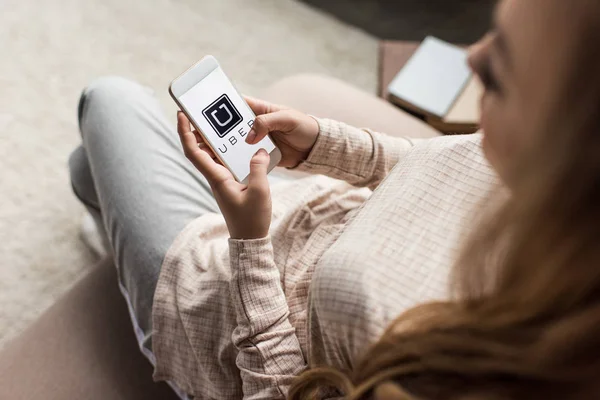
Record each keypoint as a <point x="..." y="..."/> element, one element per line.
<point x="471" y="141"/>
<point x="449" y="151"/>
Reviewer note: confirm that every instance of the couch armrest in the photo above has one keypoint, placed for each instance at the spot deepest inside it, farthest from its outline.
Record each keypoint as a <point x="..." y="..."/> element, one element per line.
<point x="83" y="347"/>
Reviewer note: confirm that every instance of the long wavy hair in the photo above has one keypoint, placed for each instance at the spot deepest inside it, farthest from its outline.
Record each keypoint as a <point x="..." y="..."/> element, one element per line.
<point x="525" y="322"/>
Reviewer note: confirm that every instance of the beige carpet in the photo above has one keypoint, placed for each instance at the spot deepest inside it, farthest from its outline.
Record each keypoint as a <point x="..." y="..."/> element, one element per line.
<point x="52" y="48"/>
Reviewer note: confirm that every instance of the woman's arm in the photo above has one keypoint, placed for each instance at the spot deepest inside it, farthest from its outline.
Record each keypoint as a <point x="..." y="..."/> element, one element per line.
<point x="269" y="352"/>
<point x="323" y="146"/>
<point x="360" y="157"/>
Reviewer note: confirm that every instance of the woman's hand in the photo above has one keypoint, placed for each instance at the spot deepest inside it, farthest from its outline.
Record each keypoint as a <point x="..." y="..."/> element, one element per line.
<point x="295" y="133"/>
<point x="246" y="208"/>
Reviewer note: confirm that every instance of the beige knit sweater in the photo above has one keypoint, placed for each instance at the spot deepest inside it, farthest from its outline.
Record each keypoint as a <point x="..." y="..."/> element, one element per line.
<point x="239" y="319"/>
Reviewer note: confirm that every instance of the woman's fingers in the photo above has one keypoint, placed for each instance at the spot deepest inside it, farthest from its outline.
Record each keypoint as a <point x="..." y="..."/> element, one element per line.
<point x="259" y="166"/>
<point x="183" y="123"/>
<point x="260" y="107"/>
<point x="198" y="155"/>
<point x="257" y="106"/>
<point x="187" y="137"/>
<point x="199" y="137"/>
<point x="202" y="145"/>
<point x="207" y="150"/>
<point x="283" y="121"/>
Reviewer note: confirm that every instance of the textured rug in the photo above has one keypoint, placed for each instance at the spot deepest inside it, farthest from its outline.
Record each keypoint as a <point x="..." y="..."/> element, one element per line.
<point x="51" y="49"/>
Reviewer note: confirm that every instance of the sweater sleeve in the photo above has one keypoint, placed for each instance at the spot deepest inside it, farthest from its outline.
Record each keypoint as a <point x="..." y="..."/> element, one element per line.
<point x="360" y="157"/>
<point x="269" y="352"/>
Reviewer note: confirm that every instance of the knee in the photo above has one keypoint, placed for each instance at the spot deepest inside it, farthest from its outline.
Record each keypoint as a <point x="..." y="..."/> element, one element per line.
<point x="81" y="178"/>
<point x="78" y="165"/>
<point x="108" y="90"/>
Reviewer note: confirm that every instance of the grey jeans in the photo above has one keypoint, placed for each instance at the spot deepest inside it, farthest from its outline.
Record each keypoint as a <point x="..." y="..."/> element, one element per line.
<point x="131" y="174"/>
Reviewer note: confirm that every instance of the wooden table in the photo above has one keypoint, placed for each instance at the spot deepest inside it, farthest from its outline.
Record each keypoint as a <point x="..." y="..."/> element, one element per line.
<point x="393" y="54"/>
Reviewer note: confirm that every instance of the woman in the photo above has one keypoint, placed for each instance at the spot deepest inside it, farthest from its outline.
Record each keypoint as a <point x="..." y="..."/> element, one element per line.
<point x="526" y="323"/>
<point x="312" y="274"/>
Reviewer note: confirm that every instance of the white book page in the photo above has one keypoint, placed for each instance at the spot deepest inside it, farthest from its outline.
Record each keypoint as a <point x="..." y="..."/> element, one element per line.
<point x="433" y="78"/>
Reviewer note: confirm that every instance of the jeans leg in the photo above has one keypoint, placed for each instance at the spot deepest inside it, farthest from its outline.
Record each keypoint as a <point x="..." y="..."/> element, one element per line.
<point x="131" y="173"/>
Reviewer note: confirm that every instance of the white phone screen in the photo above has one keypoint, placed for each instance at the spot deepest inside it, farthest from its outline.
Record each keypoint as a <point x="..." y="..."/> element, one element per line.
<point x="225" y="120"/>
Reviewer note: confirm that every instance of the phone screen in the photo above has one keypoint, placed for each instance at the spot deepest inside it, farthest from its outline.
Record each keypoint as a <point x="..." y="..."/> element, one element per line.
<point x="225" y="119"/>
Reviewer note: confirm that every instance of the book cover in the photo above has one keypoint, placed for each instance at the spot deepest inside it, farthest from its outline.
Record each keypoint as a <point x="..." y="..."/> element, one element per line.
<point x="433" y="79"/>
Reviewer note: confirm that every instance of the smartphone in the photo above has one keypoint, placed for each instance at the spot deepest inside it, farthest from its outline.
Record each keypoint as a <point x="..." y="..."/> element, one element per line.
<point x="221" y="115"/>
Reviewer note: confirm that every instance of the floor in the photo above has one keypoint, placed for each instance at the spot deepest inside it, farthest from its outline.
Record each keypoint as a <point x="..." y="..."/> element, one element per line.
<point x="52" y="48"/>
<point x="458" y="21"/>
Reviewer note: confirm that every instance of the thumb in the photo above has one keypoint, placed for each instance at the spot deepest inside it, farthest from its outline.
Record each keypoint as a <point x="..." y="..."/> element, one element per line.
<point x="259" y="165"/>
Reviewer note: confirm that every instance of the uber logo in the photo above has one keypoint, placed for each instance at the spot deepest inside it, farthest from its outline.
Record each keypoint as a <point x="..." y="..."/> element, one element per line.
<point x="222" y="115"/>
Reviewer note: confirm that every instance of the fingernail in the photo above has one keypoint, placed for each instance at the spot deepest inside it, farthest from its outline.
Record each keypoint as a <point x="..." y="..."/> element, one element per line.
<point x="251" y="136"/>
<point x="262" y="152"/>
